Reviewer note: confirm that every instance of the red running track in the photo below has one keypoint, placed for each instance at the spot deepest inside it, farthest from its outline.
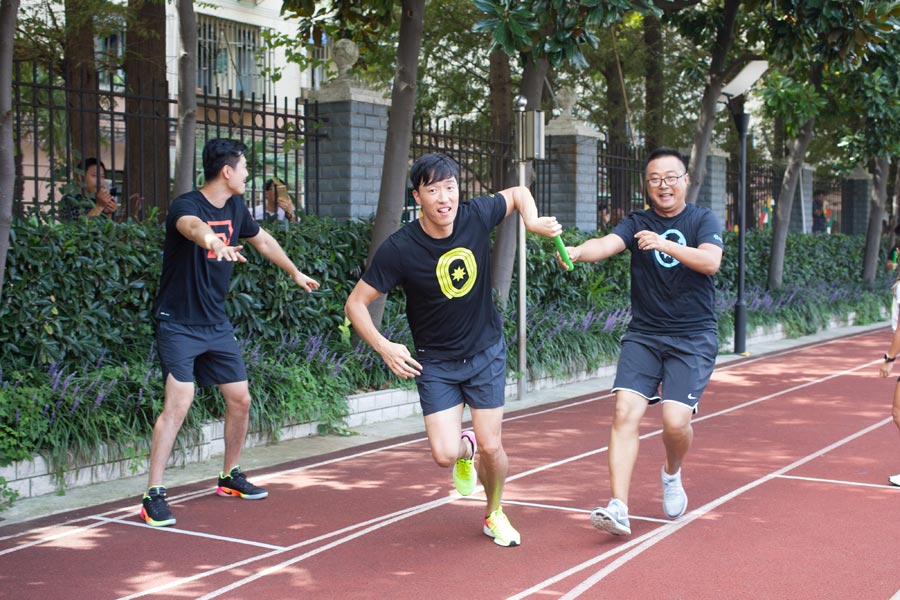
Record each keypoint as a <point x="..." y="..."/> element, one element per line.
<point x="787" y="481"/>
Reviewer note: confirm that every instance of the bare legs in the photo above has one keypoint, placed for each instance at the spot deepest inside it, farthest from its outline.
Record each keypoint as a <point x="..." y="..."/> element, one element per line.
<point x="179" y="397"/>
<point x="624" y="438"/>
<point x="444" y="429"/>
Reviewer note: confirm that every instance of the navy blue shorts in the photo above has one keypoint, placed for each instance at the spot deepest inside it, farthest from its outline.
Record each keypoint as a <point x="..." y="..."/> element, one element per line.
<point x="208" y="353"/>
<point x="667" y="368"/>
<point x="479" y="381"/>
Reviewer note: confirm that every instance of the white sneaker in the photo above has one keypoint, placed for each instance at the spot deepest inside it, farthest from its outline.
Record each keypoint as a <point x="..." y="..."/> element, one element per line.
<point x="674" y="499"/>
<point x="613" y="518"/>
<point x="894" y="479"/>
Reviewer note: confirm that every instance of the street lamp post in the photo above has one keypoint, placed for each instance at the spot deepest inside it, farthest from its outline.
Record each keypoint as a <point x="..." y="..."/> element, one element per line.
<point x="529" y="145"/>
<point x="734" y="88"/>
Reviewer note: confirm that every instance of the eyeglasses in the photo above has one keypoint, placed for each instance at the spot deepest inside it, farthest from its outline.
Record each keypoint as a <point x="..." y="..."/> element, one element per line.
<point x="669" y="180"/>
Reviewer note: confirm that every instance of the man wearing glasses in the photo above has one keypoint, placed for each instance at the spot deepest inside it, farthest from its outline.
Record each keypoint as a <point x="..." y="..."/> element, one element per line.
<point x="669" y="350"/>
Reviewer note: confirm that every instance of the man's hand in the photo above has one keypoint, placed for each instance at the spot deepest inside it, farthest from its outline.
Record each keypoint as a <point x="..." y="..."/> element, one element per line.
<point x="885" y="369"/>
<point x="573" y="252"/>
<point x="307" y="283"/>
<point x="650" y="240"/>
<point x="225" y="252"/>
<point x="399" y="360"/>
<point x="546" y="226"/>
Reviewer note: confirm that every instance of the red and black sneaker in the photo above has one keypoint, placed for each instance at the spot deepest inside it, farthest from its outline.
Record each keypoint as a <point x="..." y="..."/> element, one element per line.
<point x="236" y="484"/>
<point x="156" y="510"/>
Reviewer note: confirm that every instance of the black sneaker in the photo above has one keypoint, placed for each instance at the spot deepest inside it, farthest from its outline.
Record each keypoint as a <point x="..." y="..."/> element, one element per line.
<point x="236" y="484"/>
<point x="156" y="510"/>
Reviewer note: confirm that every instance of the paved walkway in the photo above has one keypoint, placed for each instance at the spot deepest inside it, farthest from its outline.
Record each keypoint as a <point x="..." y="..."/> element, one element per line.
<point x="255" y="458"/>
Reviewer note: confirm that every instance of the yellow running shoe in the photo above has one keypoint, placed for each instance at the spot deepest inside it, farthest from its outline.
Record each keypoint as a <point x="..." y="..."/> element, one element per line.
<point x="465" y="477"/>
<point x="497" y="526"/>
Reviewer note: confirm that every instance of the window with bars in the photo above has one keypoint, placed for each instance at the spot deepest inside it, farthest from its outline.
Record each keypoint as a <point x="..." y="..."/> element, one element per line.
<point x="230" y="57"/>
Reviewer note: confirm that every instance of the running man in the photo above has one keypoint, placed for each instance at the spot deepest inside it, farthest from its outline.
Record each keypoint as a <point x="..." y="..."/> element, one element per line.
<point x="195" y="340"/>
<point x="669" y="350"/>
<point x="442" y="262"/>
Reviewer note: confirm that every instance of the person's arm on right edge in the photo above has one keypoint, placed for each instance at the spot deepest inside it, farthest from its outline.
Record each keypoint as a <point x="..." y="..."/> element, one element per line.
<point x="396" y="356"/>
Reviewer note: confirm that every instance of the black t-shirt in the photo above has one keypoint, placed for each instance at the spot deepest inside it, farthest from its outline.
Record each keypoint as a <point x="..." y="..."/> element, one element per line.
<point x="447" y="281"/>
<point x="667" y="297"/>
<point x="194" y="284"/>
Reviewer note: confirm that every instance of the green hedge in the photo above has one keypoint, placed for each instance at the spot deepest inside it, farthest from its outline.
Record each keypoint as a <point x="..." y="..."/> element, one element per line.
<point x="76" y="335"/>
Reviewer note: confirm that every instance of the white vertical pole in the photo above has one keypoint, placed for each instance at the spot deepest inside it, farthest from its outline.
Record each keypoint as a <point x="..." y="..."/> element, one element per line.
<point x="521" y="103"/>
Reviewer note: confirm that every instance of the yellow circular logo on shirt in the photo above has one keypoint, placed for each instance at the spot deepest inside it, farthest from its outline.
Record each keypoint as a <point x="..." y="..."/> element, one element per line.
<point x="456" y="272"/>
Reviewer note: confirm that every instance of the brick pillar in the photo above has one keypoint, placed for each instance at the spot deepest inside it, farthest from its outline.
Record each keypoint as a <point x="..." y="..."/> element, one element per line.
<point x="573" y="169"/>
<point x="855" y="193"/>
<point x="714" y="188"/>
<point x="352" y="155"/>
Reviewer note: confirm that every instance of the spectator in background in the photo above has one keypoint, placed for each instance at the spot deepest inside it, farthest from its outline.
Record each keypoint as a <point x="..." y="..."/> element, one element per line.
<point x="818" y="213"/>
<point x="93" y="199"/>
<point x="277" y="202"/>
<point x="604" y="217"/>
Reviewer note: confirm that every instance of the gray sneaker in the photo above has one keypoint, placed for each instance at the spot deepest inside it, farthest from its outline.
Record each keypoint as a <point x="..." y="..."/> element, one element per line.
<point x="894" y="479"/>
<point x="674" y="499"/>
<point x="613" y="518"/>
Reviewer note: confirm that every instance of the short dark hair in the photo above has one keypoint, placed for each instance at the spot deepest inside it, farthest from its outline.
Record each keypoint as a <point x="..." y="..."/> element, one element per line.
<point x="432" y="167"/>
<point x="663" y="151"/>
<point x="272" y="182"/>
<point x="90" y="162"/>
<point x="219" y="152"/>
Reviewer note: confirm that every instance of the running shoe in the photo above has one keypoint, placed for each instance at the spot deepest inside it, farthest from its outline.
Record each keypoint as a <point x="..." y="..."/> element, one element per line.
<point x="156" y="511"/>
<point x="465" y="477"/>
<point x="613" y="518"/>
<point x="497" y="526"/>
<point x="236" y="484"/>
<point x="674" y="499"/>
<point x="894" y="479"/>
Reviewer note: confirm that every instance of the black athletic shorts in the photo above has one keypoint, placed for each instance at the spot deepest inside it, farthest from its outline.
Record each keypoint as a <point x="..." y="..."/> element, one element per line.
<point x="667" y="368"/>
<point x="479" y="381"/>
<point x="209" y="354"/>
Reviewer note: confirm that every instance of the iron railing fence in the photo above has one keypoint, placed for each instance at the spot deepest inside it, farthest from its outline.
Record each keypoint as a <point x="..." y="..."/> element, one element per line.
<point x="133" y="134"/>
<point x="620" y="180"/>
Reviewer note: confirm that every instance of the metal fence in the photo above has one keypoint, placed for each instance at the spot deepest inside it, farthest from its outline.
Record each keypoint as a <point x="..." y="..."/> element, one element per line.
<point x="133" y="133"/>
<point x="620" y="176"/>
<point x="763" y="183"/>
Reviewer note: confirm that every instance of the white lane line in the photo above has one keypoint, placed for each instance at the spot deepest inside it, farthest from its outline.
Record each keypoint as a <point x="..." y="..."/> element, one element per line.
<point x="841" y="482"/>
<point x="211" y="536"/>
<point x="370" y="525"/>
<point x="415" y="510"/>
<point x="666" y="530"/>
<point x="196" y="494"/>
<point x="567" y="509"/>
<point x="50" y="538"/>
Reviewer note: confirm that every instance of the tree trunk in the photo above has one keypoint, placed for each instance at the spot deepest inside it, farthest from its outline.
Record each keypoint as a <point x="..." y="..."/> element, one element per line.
<point x="654" y="86"/>
<point x="876" y="212"/>
<point x="503" y="256"/>
<point x="147" y="110"/>
<point x="8" y="10"/>
<point x="185" y="140"/>
<point x="706" y="120"/>
<point x="81" y="80"/>
<point x="392" y="195"/>
<point x="504" y="249"/>
<point x="796" y="153"/>
<point x="782" y="218"/>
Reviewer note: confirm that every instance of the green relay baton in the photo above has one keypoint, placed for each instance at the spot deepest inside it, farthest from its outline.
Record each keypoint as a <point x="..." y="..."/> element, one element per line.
<point x="562" y="252"/>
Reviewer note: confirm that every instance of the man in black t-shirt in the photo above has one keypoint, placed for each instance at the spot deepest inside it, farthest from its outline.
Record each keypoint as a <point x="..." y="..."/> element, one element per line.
<point x="669" y="350"/>
<point x="442" y="262"/>
<point x="194" y="338"/>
